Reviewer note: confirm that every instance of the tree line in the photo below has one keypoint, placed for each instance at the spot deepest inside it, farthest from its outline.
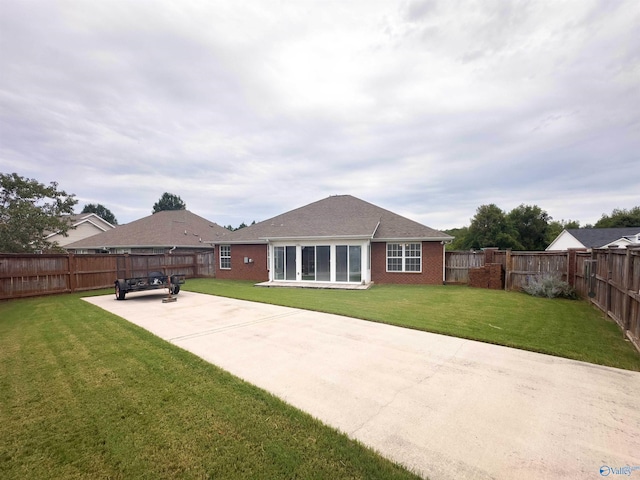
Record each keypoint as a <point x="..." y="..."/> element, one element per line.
<point x="30" y="210"/>
<point x="526" y="227"/>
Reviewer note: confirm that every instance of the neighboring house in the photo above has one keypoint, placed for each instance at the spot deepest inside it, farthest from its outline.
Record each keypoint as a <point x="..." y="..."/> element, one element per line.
<point x="83" y="225"/>
<point x="168" y="230"/>
<point x="586" y="238"/>
<point x="340" y="239"/>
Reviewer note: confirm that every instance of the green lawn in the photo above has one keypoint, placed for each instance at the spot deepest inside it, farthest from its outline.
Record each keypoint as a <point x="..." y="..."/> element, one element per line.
<point x="566" y="328"/>
<point x="85" y="395"/>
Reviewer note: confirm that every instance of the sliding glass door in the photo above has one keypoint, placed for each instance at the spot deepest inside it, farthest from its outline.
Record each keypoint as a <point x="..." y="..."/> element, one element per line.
<point x="308" y="263"/>
<point x="291" y="263"/>
<point x="355" y="263"/>
<point x="315" y="263"/>
<point x="278" y="263"/>
<point x="348" y="263"/>
<point x="284" y="263"/>
<point x="342" y="263"/>
<point x="323" y="263"/>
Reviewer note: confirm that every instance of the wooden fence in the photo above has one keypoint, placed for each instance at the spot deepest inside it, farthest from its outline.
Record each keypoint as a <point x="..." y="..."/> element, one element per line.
<point x="611" y="281"/>
<point x="608" y="278"/>
<point x="519" y="267"/>
<point x="457" y="265"/>
<point x="32" y="275"/>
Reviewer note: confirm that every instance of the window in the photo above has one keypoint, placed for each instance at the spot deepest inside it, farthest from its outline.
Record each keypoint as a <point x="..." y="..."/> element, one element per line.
<point x="225" y="257"/>
<point x="323" y="263"/>
<point x="316" y="263"/>
<point x="355" y="272"/>
<point x="284" y="263"/>
<point x="404" y="257"/>
<point x="348" y="263"/>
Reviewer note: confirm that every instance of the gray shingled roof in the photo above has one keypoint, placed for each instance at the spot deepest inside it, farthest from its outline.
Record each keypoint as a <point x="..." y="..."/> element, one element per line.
<point x="339" y="216"/>
<point x="168" y="228"/>
<point x="598" y="237"/>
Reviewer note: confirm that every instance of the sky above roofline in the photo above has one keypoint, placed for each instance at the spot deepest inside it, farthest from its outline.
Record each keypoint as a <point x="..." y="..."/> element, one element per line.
<point x="247" y="109"/>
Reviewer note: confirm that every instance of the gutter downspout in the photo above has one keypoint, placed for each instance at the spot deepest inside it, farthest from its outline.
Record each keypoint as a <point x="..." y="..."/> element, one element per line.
<point x="444" y="263"/>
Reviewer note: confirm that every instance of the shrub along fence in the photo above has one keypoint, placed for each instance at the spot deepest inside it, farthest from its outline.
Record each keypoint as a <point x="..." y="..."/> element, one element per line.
<point x="608" y="278"/>
<point x="43" y="274"/>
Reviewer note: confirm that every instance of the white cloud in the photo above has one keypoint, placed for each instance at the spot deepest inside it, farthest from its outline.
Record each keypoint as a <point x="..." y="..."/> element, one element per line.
<point x="247" y="109"/>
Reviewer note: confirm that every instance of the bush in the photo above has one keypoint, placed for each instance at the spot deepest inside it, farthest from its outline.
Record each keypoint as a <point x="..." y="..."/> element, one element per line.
<point x="549" y="285"/>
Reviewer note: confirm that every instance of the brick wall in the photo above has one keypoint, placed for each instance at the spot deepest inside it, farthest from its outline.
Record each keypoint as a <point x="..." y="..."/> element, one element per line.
<point x="490" y="276"/>
<point x="432" y="266"/>
<point x="255" y="271"/>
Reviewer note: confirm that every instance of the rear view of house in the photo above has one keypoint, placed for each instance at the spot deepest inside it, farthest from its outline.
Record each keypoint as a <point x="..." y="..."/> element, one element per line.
<point x="340" y="239"/>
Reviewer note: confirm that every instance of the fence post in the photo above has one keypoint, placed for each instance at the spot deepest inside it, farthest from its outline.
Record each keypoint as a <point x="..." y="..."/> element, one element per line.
<point x="72" y="272"/>
<point x="626" y="284"/>
<point x="508" y="267"/>
<point x="127" y="266"/>
<point x="607" y="301"/>
<point x="571" y="267"/>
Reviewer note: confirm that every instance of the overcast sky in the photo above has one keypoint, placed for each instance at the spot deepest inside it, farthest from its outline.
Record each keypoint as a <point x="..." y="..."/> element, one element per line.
<point x="250" y="109"/>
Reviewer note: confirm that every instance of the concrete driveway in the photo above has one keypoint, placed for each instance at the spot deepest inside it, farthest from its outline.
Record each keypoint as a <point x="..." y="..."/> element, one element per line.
<point x="445" y="407"/>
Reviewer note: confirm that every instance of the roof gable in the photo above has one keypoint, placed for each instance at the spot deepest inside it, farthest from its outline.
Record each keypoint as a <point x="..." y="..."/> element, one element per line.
<point x="167" y="228"/>
<point x="339" y="216"/>
<point x="598" y="237"/>
<point x="76" y="219"/>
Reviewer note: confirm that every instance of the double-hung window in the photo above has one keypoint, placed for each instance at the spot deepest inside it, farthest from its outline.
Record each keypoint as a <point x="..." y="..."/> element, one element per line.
<point x="404" y="257"/>
<point x="225" y="257"/>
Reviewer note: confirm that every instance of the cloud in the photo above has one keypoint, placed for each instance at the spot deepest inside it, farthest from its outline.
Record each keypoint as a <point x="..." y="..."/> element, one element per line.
<point x="246" y="110"/>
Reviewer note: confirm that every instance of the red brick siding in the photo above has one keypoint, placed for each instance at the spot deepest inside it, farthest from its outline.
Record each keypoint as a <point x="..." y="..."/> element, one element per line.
<point x="255" y="271"/>
<point x="432" y="266"/>
<point x="490" y="276"/>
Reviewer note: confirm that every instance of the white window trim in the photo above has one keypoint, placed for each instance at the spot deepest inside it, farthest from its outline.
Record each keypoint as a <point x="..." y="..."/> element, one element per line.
<point x="225" y="248"/>
<point x="404" y="257"/>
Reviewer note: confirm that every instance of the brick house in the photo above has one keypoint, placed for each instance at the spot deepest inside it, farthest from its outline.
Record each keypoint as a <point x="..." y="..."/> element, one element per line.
<point x="340" y="239"/>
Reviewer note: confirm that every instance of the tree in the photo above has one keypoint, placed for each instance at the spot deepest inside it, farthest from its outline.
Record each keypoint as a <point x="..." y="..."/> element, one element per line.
<point x="531" y="225"/>
<point x="620" y="218"/>
<point x="460" y="239"/>
<point x="29" y="211"/>
<point x="169" y="201"/>
<point x="242" y="225"/>
<point x="490" y="227"/>
<point x="102" y="211"/>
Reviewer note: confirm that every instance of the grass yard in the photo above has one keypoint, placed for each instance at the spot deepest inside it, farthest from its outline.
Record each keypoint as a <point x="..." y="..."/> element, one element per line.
<point x="566" y="328"/>
<point x="85" y="394"/>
